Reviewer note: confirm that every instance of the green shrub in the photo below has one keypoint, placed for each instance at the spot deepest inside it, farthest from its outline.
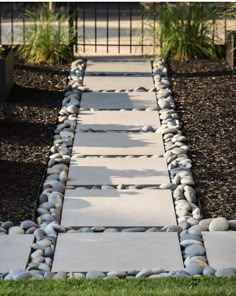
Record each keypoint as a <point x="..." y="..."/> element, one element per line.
<point x="46" y="43"/>
<point x="185" y="30"/>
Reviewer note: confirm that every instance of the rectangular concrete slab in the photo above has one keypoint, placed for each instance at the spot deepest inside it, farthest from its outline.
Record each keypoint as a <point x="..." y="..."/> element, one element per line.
<point x="220" y="248"/>
<point x="115" y="171"/>
<point x="115" y="101"/>
<point x="118" y="68"/>
<point x="118" y="208"/>
<point x="118" y="144"/>
<point x="117" y="120"/>
<point x="14" y="251"/>
<point x="81" y="252"/>
<point x="112" y="83"/>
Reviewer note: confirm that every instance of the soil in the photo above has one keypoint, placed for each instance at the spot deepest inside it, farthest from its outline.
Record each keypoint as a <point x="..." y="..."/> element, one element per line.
<point x="205" y="95"/>
<point x="26" y="131"/>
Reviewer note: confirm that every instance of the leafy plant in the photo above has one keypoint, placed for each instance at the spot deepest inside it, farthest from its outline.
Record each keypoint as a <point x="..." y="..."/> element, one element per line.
<point x="184" y="30"/>
<point x="48" y="42"/>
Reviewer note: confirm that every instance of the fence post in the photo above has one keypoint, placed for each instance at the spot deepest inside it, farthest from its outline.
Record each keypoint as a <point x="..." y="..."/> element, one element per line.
<point x="71" y="26"/>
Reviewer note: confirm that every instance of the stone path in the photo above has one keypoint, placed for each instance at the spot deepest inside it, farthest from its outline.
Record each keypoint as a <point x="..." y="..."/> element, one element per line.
<point x="132" y="156"/>
<point x="118" y="199"/>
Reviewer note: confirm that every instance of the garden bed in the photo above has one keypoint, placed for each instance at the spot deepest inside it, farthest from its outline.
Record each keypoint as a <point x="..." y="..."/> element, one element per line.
<point x="205" y="95"/>
<point x="26" y="131"/>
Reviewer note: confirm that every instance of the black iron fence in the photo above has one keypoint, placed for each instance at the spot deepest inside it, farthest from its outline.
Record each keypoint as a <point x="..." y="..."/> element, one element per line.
<point x="97" y="27"/>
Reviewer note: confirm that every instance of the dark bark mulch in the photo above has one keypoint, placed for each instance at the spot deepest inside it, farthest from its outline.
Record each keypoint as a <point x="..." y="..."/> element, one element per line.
<point x="26" y="131"/>
<point x="205" y="94"/>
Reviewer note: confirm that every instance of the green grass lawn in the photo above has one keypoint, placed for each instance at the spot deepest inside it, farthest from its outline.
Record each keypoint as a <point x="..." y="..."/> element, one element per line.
<point x="201" y="286"/>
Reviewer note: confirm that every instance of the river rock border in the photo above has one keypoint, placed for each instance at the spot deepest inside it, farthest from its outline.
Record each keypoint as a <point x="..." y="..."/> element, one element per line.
<point x="182" y="184"/>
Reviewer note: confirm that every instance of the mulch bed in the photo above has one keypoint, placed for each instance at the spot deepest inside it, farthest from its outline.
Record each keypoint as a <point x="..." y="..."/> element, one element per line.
<point x="26" y="132"/>
<point x="205" y="94"/>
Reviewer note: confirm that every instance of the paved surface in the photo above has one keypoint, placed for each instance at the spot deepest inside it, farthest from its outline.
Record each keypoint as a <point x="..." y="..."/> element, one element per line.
<point x="106" y="171"/>
<point x="220" y="248"/>
<point x="114" y="101"/>
<point x="118" y="208"/>
<point x="117" y="120"/>
<point x="118" y="144"/>
<point x="117" y="134"/>
<point x="79" y="252"/>
<point x="14" y="251"/>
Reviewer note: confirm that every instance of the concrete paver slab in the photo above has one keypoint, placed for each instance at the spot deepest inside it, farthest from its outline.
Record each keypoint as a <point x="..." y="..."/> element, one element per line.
<point x="117" y="120"/>
<point x="14" y="251"/>
<point x="98" y="83"/>
<point x="118" y="144"/>
<point x="114" y="101"/>
<point x="81" y="252"/>
<point x="118" y="68"/>
<point x="99" y="171"/>
<point x="118" y="208"/>
<point x="220" y="248"/>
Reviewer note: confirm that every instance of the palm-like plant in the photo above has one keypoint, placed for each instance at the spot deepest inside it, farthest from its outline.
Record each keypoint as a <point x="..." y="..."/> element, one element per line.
<point x="48" y="42"/>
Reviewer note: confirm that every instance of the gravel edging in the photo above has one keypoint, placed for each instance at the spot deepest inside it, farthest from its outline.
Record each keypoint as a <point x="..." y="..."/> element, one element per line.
<point x="50" y="201"/>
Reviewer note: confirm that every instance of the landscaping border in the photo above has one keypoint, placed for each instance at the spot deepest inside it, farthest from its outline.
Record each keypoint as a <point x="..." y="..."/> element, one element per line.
<point x="190" y="223"/>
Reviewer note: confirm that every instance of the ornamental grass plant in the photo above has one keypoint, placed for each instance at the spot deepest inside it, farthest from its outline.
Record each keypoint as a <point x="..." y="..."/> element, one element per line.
<point x="49" y="41"/>
<point x="185" y="30"/>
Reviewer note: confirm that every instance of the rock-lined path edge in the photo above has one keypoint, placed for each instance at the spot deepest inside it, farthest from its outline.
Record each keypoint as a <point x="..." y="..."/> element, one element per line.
<point x="190" y="223"/>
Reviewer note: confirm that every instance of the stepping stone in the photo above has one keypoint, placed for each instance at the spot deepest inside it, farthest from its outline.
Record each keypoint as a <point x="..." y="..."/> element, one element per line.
<point x="14" y="251"/>
<point x="116" y="101"/>
<point x="115" y="171"/>
<point x="112" y="83"/>
<point x="81" y="252"/>
<point x="117" y="120"/>
<point x="220" y="248"/>
<point x="118" y="208"/>
<point x="118" y="144"/>
<point x="118" y="68"/>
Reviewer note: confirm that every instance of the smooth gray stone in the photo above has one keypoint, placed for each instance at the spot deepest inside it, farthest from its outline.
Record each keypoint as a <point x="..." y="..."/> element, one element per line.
<point x="171" y="228"/>
<point x="184" y="225"/>
<point x="195" y="250"/>
<point x="79" y="275"/>
<point x="95" y="274"/>
<point x="204" y="223"/>
<point x="85" y="229"/>
<point x="39" y="234"/>
<point x="48" y="252"/>
<point x="37" y="253"/>
<point x="232" y="224"/>
<point x="3" y="230"/>
<point x="189" y="242"/>
<point x="194" y="269"/>
<point x="23" y="275"/>
<point x="163" y="104"/>
<point x="144" y="273"/>
<point x="208" y="271"/>
<point x="44" y="267"/>
<point x="226" y="272"/>
<point x="195" y="229"/>
<point x="187" y="236"/>
<point x="219" y="224"/>
<point x="111" y="230"/>
<point x="49" y="275"/>
<point x="7" y="225"/>
<point x="60" y="275"/>
<point x="119" y="274"/>
<point x="134" y="229"/>
<point x="27" y="224"/>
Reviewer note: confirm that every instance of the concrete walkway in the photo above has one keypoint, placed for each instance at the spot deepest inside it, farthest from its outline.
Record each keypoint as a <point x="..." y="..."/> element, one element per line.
<point x="122" y="215"/>
<point x="116" y="148"/>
